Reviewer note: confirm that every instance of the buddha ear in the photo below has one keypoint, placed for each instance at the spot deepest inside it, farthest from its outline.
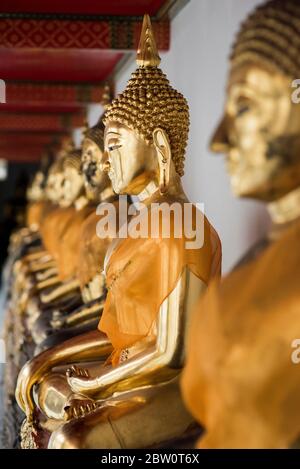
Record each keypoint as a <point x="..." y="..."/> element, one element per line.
<point x="163" y="151"/>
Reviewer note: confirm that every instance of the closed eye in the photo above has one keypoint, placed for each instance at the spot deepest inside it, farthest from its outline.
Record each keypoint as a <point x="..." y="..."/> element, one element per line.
<point x="242" y="110"/>
<point x="114" y="147"/>
<point x="243" y="105"/>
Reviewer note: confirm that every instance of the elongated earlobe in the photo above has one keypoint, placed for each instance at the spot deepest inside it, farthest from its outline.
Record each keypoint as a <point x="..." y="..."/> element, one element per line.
<point x="163" y="150"/>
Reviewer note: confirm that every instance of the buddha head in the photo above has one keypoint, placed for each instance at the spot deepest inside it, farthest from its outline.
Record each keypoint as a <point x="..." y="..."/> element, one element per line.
<point x="55" y="179"/>
<point x="260" y="129"/>
<point x="36" y="190"/>
<point x="93" y="159"/>
<point x="146" y="126"/>
<point x="73" y="184"/>
<point x="66" y="145"/>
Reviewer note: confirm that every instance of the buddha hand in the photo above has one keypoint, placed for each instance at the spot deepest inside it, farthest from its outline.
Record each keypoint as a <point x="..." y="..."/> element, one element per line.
<point x="78" y="372"/>
<point x="75" y="375"/>
<point x="79" y="406"/>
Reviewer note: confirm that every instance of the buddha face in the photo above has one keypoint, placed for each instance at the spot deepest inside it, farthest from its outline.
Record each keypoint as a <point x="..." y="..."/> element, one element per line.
<point x="72" y="186"/>
<point x="260" y="134"/>
<point x="54" y="187"/>
<point x="132" y="163"/>
<point x="95" y="179"/>
<point x="35" y="191"/>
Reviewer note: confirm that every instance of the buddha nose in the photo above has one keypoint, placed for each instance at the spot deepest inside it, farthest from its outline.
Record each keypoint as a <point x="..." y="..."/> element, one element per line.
<point x="105" y="165"/>
<point x="219" y="142"/>
<point x="90" y="169"/>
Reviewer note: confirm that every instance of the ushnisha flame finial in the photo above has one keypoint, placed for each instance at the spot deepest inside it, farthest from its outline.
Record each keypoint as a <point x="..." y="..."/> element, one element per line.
<point x="147" y="54"/>
<point x="106" y="96"/>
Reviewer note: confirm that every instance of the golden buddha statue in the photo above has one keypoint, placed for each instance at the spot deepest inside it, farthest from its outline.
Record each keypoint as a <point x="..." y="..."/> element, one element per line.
<point x="98" y="186"/>
<point x="29" y="263"/>
<point x="26" y="270"/>
<point x="60" y="234"/>
<point x="25" y="249"/>
<point x="23" y="239"/>
<point x="42" y="201"/>
<point x="240" y="381"/>
<point x="54" y="184"/>
<point x="65" y="190"/>
<point x="37" y="271"/>
<point x="25" y="244"/>
<point x="122" y="388"/>
<point x="82" y="252"/>
<point x="64" y="316"/>
<point x="31" y="255"/>
<point x="41" y="193"/>
<point x="36" y="196"/>
<point x="69" y="313"/>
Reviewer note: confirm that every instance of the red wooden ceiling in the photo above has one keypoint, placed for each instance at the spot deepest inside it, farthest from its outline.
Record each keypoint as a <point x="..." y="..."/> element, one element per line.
<point x="55" y="65"/>
<point x="27" y="139"/>
<point x="65" y="65"/>
<point x="46" y="108"/>
<point x="86" y="7"/>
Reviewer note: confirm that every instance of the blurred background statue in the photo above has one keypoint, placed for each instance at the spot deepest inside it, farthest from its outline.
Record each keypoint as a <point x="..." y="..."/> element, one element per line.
<point x="240" y="381"/>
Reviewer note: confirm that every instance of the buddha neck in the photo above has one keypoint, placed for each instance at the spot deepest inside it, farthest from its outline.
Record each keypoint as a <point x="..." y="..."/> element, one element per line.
<point x="151" y="191"/>
<point x="284" y="213"/>
<point x="106" y="194"/>
<point x="286" y="209"/>
<point x="147" y="193"/>
<point x="81" y="202"/>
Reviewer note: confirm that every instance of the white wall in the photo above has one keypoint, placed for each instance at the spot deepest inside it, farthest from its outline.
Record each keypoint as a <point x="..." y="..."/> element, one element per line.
<point x="196" y="65"/>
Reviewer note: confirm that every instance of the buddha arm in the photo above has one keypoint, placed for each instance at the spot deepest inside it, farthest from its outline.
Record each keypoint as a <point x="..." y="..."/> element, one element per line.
<point x="46" y="274"/>
<point x="35" y="256"/>
<point x="90" y="346"/>
<point x="24" y="267"/>
<point x="158" y="362"/>
<point x="49" y="282"/>
<point x="78" y="316"/>
<point x="44" y="264"/>
<point x="61" y="290"/>
<point x="24" y="237"/>
<point x="85" y="313"/>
